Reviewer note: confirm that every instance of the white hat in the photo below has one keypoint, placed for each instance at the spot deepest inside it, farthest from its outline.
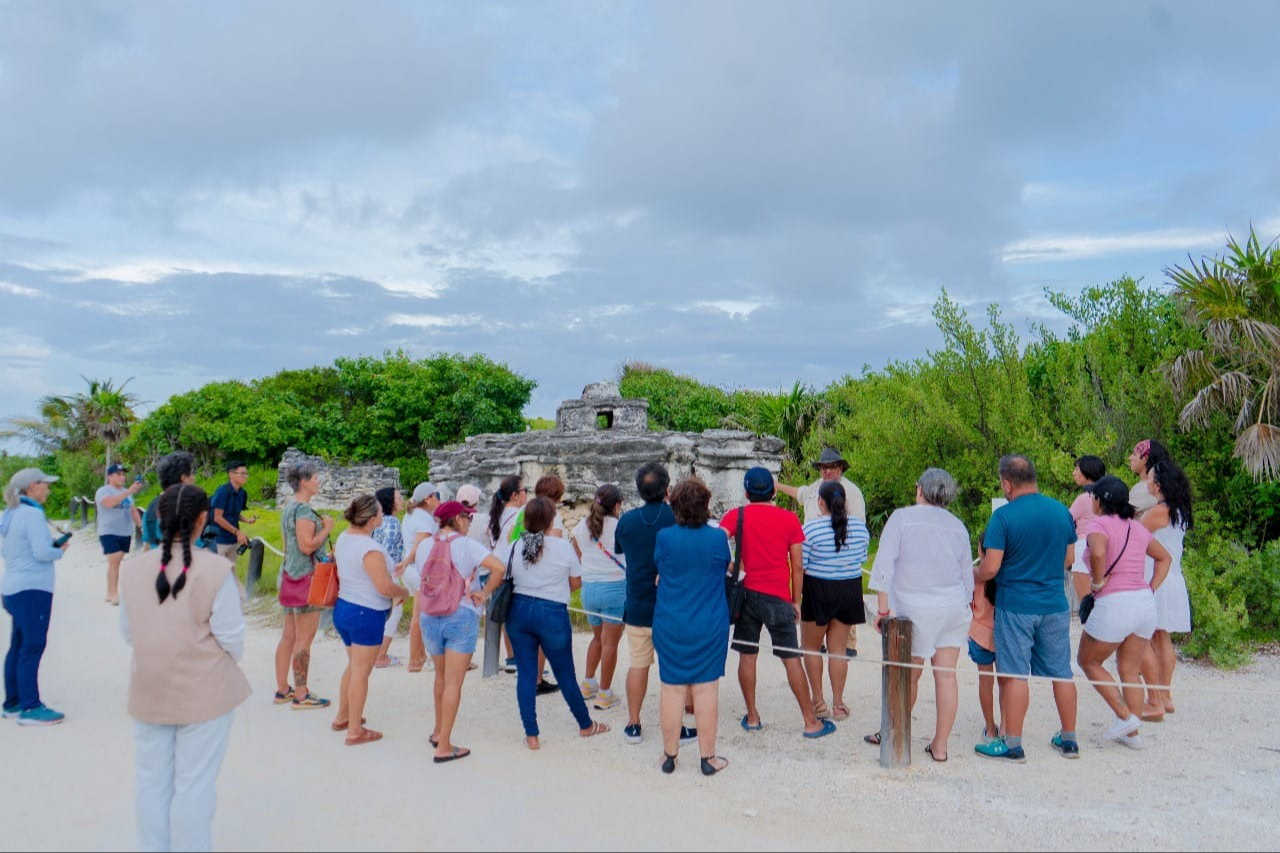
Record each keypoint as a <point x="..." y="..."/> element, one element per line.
<point x="28" y="477"/>
<point x="468" y="494"/>
<point x="424" y="491"/>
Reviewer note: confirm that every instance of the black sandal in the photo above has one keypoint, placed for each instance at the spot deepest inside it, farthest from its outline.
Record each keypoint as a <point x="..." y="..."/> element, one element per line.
<point x="669" y="765"/>
<point x="929" y="749"/>
<point x="874" y="739"/>
<point x="709" y="769"/>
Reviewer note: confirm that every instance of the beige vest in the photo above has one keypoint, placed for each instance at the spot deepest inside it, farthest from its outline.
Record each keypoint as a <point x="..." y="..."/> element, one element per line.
<point x="179" y="674"/>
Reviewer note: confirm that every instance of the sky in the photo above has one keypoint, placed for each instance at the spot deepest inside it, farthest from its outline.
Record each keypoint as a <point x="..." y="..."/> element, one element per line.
<point x="748" y="192"/>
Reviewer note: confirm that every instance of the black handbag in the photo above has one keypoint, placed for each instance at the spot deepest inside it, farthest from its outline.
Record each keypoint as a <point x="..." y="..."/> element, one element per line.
<point x="1086" y="603"/>
<point x="500" y="602"/>
<point x="734" y="591"/>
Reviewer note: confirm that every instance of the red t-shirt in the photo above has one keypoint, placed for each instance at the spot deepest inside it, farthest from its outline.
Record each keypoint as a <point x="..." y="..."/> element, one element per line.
<point x="768" y="532"/>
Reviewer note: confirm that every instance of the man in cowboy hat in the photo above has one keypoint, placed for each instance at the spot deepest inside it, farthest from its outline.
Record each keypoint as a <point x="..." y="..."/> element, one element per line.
<point x="831" y="466"/>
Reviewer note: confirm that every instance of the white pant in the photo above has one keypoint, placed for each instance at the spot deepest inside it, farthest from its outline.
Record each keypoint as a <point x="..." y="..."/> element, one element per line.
<point x="177" y="777"/>
<point x="393" y="621"/>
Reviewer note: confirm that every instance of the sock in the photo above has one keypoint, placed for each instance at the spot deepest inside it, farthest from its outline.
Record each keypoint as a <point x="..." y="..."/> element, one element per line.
<point x="1013" y="742"/>
<point x="1068" y="736"/>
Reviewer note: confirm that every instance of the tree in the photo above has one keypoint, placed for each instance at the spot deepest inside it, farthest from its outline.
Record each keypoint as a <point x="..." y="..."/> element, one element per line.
<point x="1235" y="299"/>
<point x="77" y="422"/>
<point x="106" y="412"/>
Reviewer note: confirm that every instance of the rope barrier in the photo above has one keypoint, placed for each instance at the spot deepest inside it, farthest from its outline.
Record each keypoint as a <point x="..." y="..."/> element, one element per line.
<point x="267" y="545"/>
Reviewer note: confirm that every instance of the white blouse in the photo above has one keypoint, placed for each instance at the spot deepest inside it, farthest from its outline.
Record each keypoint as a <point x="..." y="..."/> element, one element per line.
<point x="924" y="560"/>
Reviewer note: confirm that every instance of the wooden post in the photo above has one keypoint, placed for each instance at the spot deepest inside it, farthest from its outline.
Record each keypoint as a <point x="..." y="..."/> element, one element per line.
<point x="254" y="573"/>
<point x="895" y="703"/>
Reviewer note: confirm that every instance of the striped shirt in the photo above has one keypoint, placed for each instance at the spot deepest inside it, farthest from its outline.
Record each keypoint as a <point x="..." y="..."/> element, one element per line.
<point x="822" y="560"/>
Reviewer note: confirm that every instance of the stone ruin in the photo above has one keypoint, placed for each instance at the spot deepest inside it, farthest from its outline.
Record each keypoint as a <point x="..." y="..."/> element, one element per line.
<point x="339" y="485"/>
<point x="603" y="438"/>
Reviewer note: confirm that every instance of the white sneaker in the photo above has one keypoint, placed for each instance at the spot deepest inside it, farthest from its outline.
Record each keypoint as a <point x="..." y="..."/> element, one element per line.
<point x="1121" y="728"/>
<point x="1132" y="741"/>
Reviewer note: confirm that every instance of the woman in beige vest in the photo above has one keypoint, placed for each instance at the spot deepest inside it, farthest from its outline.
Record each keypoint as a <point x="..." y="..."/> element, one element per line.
<point x="185" y="624"/>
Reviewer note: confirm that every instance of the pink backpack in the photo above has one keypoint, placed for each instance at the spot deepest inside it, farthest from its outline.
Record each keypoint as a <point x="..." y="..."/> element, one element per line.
<point x="442" y="587"/>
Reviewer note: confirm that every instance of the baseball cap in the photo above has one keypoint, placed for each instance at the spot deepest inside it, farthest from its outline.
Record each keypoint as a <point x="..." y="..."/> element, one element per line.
<point x="758" y="481"/>
<point x="28" y="477"/>
<point x="115" y="468"/>
<point x="424" y="491"/>
<point x="468" y="494"/>
<point x="1109" y="490"/>
<point x="450" y="510"/>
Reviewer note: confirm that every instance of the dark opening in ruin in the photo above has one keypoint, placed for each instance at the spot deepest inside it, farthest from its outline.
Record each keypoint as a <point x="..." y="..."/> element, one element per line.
<point x="604" y="419"/>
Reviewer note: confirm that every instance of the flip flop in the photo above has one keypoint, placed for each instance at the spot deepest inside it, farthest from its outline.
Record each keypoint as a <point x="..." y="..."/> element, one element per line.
<point x="874" y="739"/>
<point x="929" y="749"/>
<point x="596" y="729"/>
<point x="368" y="736"/>
<point x="828" y="727"/>
<point x="342" y="727"/>
<point x="432" y="740"/>
<point x="747" y="727"/>
<point x="458" y="752"/>
<point x="392" y="660"/>
<point x="709" y="769"/>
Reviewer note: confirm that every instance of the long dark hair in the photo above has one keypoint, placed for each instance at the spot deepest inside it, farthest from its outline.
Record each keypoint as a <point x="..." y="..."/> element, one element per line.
<point x="179" y="508"/>
<point x="1156" y="453"/>
<point x="832" y="494"/>
<point x="607" y="499"/>
<point x="1175" y="491"/>
<point x="506" y="491"/>
<point x="386" y="499"/>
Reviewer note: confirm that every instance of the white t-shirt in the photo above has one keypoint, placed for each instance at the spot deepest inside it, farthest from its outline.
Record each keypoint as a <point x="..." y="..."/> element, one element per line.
<point x="500" y="546"/>
<point x="924" y="560"/>
<point x="467" y="555"/>
<point x="416" y="522"/>
<point x="354" y="583"/>
<point x="596" y="565"/>
<point x="549" y="577"/>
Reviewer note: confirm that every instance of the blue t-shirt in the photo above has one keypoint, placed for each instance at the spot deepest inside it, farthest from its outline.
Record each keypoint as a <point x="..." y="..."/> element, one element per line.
<point x="232" y="503"/>
<point x="1034" y="532"/>
<point x="636" y="536"/>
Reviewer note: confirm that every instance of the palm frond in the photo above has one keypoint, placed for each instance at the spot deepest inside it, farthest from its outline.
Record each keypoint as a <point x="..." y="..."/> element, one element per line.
<point x="1258" y="447"/>
<point x="1227" y="392"/>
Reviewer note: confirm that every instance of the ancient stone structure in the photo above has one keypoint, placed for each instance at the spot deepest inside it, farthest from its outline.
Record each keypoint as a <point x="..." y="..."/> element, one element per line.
<point x="604" y="438"/>
<point x="339" y="485"/>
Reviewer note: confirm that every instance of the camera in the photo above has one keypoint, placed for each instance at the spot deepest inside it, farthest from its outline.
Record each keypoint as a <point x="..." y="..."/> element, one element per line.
<point x="242" y="549"/>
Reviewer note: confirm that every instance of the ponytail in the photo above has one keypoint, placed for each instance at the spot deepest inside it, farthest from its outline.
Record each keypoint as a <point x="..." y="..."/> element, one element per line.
<point x="506" y="491"/>
<point x="607" y="499"/>
<point x="179" y="507"/>
<point x="832" y="494"/>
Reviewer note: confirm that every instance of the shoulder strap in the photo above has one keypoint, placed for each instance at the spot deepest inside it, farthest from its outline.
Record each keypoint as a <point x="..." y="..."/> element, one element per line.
<point x="605" y="551"/>
<point x="737" y="541"/>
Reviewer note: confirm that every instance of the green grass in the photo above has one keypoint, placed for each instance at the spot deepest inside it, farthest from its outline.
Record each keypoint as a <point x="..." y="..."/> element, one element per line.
<point x="267" y="528"/>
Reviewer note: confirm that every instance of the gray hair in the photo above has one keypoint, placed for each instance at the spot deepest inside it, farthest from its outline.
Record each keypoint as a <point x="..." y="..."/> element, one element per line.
<point x="298" y="473"/>
<point x="937" y="487"/>
<point x="1018" y="470"/>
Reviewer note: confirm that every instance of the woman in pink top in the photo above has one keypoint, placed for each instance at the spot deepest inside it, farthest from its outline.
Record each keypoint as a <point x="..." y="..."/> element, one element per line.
<point x="1088" y="470"/>
<point x="1124" y="612"/>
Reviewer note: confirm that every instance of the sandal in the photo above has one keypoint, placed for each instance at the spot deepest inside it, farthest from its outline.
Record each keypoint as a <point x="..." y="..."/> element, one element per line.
<point x="820" y="709"/>
<point x="748" y="727"/>
<point x="668" y="764"/>
<point x="874" y="739"/>
<point x="458" y="752"/>
<point x="284" y="698"/>
<point x="342" y="727"/>
<point x="367" y="736"/>
<point x="392" y="660"/>
<point x="709" y="769"/>
<point x="839" y="712"/>
<point x="929" y="749"/>
<point x="596" y="729"/>
<point x="828" y="728"/>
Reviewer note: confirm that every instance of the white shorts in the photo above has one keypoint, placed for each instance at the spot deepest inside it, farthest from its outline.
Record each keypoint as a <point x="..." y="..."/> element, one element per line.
<point x="1121" y="614"/>
<point x="936" y="628"/>
<point x="1081" y="566"/>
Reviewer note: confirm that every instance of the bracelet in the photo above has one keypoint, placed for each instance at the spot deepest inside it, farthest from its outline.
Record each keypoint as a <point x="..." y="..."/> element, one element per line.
<point x="1096" y="586"/>
<point x="883" y="612"/>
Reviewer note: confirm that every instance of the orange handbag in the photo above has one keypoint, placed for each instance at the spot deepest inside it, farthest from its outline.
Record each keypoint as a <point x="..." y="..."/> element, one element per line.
<point x="324" y="583"/>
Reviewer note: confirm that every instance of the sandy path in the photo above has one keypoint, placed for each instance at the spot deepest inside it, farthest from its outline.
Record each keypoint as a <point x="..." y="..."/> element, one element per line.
<point x="1203" y="782"/>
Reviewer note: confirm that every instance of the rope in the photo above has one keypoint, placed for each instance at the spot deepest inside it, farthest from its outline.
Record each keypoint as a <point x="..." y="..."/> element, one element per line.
<point x="267" y="545"/>
<point x="926" y="666"/>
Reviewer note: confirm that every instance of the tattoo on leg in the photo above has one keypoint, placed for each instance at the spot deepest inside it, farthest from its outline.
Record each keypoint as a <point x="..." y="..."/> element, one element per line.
<point x="301" y="667"/>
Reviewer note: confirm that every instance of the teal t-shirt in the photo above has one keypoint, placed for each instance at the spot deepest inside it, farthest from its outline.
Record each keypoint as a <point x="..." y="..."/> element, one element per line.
<point x="1034" y="532"/>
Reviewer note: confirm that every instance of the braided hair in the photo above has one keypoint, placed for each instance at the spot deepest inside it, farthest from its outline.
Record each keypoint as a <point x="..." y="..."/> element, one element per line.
<point x="832" y="494"/>
<point x="179" y="508"/>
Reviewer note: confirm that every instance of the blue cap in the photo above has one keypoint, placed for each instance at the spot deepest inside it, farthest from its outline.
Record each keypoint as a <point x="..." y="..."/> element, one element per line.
<point x="758" y="482"/>
<point x="115" y="468"/>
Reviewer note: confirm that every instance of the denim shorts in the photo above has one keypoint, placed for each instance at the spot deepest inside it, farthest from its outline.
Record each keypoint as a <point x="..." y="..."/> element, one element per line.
<point x="979" y="655"/>
<point x="760" y="611"/>
<point x="359" y="626"/>
<point x="1038" y="643"/>
<point x="607" y="597"/>
<point x="457" y="632"/>
<point x="115" y="544"/>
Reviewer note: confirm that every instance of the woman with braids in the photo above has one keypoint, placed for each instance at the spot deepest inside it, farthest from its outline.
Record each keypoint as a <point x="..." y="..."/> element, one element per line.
<point x="366" y="592"/>
<point x="545" y="571"/>
<point x="1169" y="520"/>
<point x="304" y="532"/>
<point x="604" y="592"/>
<point x="835" y="548"/>
<point x="182" y="617"/>
<point x="1146" y="455"/>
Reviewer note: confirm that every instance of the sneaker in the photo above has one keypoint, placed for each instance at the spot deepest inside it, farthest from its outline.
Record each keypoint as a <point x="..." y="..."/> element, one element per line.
<point x="12" y="712"/>
<point x="510" y="666"/>
<point x="851" y="653"/>
<point x="997" y="748"/>
<point x="1068" y="748"/>
<point x="607" y="699"/>
<point x="688" y="735"/>
<point x="589" y="689"/>
<point x="1133" y="741"/>
<point x="1120" y="728"/>
<point x="40" y="715"/>
<point x="632" y="734"/>
<point x="986" y="738"/>
<point x="545" y="687"/>
<point x="310" y="702"/>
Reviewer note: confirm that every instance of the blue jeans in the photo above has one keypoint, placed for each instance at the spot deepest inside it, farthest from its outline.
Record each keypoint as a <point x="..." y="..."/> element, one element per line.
<point x="30" y="611"/>
<point x="535" y="622"/>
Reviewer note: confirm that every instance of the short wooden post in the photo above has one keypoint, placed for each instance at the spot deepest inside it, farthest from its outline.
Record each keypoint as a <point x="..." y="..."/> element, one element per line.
<point x="253" y="574"/>
<point x="895" y="703"/>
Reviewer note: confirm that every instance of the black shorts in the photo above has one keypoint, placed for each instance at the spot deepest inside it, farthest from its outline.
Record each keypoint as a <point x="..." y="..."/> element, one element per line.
<point x="759" y="611"/>
<point x="115" y="544"/>
<point x="825" y="600"/>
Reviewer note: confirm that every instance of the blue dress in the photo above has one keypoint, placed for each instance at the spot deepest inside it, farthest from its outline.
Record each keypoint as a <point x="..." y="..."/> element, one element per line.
<point x="691" y="620"/>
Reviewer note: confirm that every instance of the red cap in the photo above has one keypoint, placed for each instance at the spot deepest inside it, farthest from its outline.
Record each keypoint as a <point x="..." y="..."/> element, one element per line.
<point x="450" y="510"/>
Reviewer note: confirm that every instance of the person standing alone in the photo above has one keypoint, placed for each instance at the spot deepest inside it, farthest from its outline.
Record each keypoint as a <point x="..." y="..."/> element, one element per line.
<point x="116" y="519"/>
<point x="227" y="507"/>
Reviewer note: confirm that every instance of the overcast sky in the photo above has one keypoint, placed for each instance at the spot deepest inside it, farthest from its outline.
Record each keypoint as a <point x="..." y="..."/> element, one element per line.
<point x="748" y="192"/>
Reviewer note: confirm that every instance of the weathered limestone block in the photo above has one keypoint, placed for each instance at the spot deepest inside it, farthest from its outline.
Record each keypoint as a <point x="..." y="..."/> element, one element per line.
<point x="339" y="485"/>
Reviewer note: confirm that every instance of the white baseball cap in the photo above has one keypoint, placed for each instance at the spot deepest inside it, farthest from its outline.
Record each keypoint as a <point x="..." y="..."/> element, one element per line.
<point x="468" y="494"/>
<point x="28" y="477"/>
<point x="424" y="491"/>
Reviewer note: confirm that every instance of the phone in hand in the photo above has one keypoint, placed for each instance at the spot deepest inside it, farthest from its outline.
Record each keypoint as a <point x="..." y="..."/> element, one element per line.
<point x="137" y="479"/>
<point x="62" y="540"/>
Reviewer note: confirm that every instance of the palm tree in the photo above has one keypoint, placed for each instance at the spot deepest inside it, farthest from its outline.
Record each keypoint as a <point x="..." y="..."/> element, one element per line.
<point x="1235" y="299"/>
<point x="106" y="412"/>
<point x="790" y="416"/>
<point x="76" y="421"/>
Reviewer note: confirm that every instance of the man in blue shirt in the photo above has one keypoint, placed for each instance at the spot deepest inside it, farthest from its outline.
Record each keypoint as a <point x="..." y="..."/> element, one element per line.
<point x="1030" y="544"/>
<point x="228" y="505"/>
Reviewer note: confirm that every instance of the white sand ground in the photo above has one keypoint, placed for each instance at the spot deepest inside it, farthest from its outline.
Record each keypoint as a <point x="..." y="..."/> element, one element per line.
<point x="1209" y="778"/>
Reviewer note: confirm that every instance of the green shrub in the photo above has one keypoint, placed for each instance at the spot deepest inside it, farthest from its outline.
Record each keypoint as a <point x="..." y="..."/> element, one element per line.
<point x="1235" y="596"/>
